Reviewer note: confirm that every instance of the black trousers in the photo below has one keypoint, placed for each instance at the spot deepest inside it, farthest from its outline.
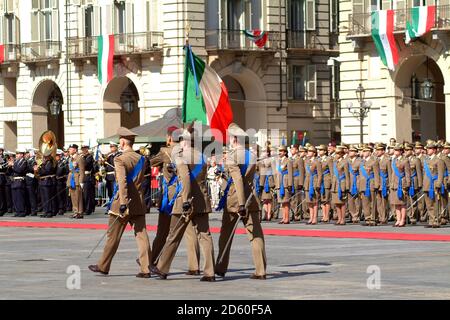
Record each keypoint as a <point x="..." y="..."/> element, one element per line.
<point x="89" y="195"/>
<point x="3" y="203"/>
<point x="8" y="198"/>
<point x="49" y="202"/>
<point x="110" y="188"/>
<point x="32" y="199"/>
<point x="19" y="200"/>
<point x="62" y="198"/>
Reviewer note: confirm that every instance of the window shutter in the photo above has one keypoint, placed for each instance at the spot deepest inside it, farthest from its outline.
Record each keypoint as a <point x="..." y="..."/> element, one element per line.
<point x="310" y="15"/>
<point x="386" y="4"/>
<point x="81" y="22"/>
<point x="9" y="6"/>
<point x="223" y="15"/>
<point x="155" y="10"/>
<point x="2" y="6"/>
<point x="290" y="83"/>
<point x="108" y="26"/>
<point x="2" y="29"/>
<point x="311" y="82"/>
<point x="256" y="14"/>
<point x="16" y="34"/>
<point x="55" y="24"/>
<point x="35" y="4"/>
<point x="54" y="4"/>
<point x="97" y="17"/>
<point x="35" y="23"/>
<point x="129" y="14"/>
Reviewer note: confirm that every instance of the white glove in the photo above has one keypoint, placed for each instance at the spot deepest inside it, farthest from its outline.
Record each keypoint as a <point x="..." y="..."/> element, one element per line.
<point x="82" y="186"/>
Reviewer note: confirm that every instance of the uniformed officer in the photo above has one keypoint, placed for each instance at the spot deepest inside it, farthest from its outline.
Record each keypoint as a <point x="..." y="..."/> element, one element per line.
<point x="298" y="169"/>
<point x="32" y="187"/>
<point x="433" y="179"/>
<point x="354" y="201"/>
<point x="62" y="170"/>
<point x="384" y="163"/>
<point x="369" y="184"/>
<point x="66" y="158"/>
<point x="241" y="166"/>
<point x="47" y="185"/>
<point x="192" y="203"/>
<point x="127" y="207"/>
<point x="10" y="156"/>
<point x="88" y="181"/>
<point x="399" y="184"/>
<point x="415" y="186"/>
<point x="18" y="188"/>
<point x="340" y="184"/>
<point x="284" y="182"/>
<point x="75" y="181"/>
<point x="444" y="195"/>
<point x="266" y="182"/>
<point x="313" y="181"/>
<point x="325" y="187"/>
<point x="304" y="205"/>
<point x="3" y="169"/>
<point x="109" y="168"/>
<point x="420" y="153"/>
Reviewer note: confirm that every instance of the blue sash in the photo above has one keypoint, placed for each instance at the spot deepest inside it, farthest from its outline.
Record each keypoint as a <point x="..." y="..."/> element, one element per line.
<point x="431" y="178"/>
<point x="72" y="177"/>
<point x="367" y="177"/>
<point x="166" y="204"/>
<point x="311" y="181"/>
<point x="130" y="177"/>
<point x="400" y="176"/>
<point x="322" y="186"/>
<point x="384" y="177"/>
<point x="257" y="184"/>
<point x="296" y="174"/>
<point x="355" y="174"/>
<point x="442" y="185"/>
<point x="412" y="188"/>
<point x="223" y="199"/>
<point x="283" y="173"/>
<point x="339" y="179"/>
<point x="266" y="184"/>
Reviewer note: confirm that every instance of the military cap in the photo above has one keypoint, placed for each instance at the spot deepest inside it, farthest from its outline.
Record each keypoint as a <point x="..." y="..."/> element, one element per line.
<point x="295" y="145"/>
<point x="360" y="146"/>
<point x="85" y="145"/>
<point x="75" y="146"/>
<point x="408" y="146"/>
<point x="353" y="148"/>
<point x="367" y="148"/>
<point x="235" y="130"/>
<point x="431" y="145"/>
<point x="307" y="145"/>
<point x="344" y="146"/>
<point x="380" y="146"/>
<point x="59" y="152"/>
<point x="332" y="144"/>
<point x="398" y="146"/>
<point x="124" y="132"/>
<point x="2" y="148"/>
<point x="439" y="144"/>
<point x="446" y="145"/>
<point x="418" y="145"/>
<point x="301" y="149"/>
<point x="20" y="150"/>
<point x="339" y="149"/>
<point x="322" y="147"/>
<point x="282" y="148"/>
<point x="112" y="143"/>
<point x="312" y="148"/>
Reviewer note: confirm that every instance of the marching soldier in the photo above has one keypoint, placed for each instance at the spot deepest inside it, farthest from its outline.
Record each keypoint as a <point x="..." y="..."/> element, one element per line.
<point x="399" y="184"/>
<point x="191" y="204"/>
<point x="89" y="181"/>
<point x="127" y="207"/>
<point x="3" y="169"/>
<point x="313" y="181"/>
<point x="61" y="173"/>
<point x="266" y="183"/>
<point x="298" y="167"/>
<point x="18" y="188"/>
<point x="284" y="182"/>
<point x="415" y="187"/>
<point x="241" y="166"/>
<point x="340" y="184"/>
<point x="109" y="168"/>
<point x="420" y="153"/>
<point x="433" y="179"/>
<point x="444" y="156"/>
<point x="384" y="163"/>
<point x="75" y="181"/>
<point x="354" y="202"/>
<point x="369" y="184"/>
<point x="47" y="177"/>
<point x="325" y="193"/>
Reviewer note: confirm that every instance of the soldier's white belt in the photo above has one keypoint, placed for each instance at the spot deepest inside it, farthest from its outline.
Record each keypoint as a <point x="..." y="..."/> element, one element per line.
<point x="30" y="175"/>
<point x="62" y="177"/>
<point x="111" y="172"/>
<point x="2" y="173"/>
<point x="87" y="173"/>
<point x="49" y="176"/>
<point x="18" y="178"/>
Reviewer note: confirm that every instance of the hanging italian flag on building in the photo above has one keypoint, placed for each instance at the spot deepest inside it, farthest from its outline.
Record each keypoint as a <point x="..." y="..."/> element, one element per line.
<point x="105" y="58"/>
<point x="421" y="21"/>
<point x="383" y="36"/>
<point x="257" y="36"/>
<point x="205" y="96"/>
<point x="2" y="53"/>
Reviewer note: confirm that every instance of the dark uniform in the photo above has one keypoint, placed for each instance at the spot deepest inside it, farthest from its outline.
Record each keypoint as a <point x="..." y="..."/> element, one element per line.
<point x="62" y="171"/>
<point x="47" y="188"/>
<point x="18" y="187"/>
<point x="3" y="169"/>
<point x="89" y="184"/>
<point x="32" y="199"/>
<point x="146" y="185"/>
<point x="110" y="176"/>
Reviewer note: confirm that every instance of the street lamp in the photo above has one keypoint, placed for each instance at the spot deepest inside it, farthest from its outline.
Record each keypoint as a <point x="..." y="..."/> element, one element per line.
<point x="362" y="111"/>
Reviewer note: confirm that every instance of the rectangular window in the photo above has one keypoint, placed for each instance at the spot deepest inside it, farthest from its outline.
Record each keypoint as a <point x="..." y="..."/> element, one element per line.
<point x="88" y="19"/>
<point x="298" y="82"/>
<point x="10" y="135"/>
<point x="334" y="16"/>
<point x="296" y="15"/>
<point x="10" y="90"/>
<point x="311" y="15"/>
<point x="234" y="14"/>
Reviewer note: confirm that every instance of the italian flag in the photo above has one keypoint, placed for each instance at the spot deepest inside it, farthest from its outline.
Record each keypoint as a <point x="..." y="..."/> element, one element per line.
<point x="421" y="21"/>
<point x="205" y="96"/>
<point x="2" y="53"/>
<point x="383" y="36"/>
<point x="257" y="36"/>
<point x="105" y="58"/>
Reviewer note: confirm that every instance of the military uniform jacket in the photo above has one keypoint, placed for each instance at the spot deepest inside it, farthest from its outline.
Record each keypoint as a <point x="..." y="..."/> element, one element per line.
<point x="446" y="160"/>
<point x="327" y="164"/>
<point x="371" y="166"/>
<point x="403" y="166"/>
<point x="415" y="166"/>
<point x="164" y="159"/>
<point x="188" y="161"/>
<point x="3" y="169"/>
<point x="78" y="163"/>
<point x="384" y="163"/>
<point x="342" y="171"/>
<point x="90" y="167"/>
<point x="437" y="167"/>
<point x="128" y="193"/>
<point x="284" y="164"/>
<point x="315" y="165"/>
<point x="47" y="173"/>
<point x="109" y="168"/>
<point x="298" y="167"/>
<point x="30" y="178"/>
<point x="19" y="169"/>
<point x="353" y="169"/>
<point x="267" y="168"/>
<point x="62" y="170"/>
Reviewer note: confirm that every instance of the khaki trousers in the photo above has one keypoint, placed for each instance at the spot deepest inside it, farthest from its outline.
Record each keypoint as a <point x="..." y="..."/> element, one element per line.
<point x="354" y="207"/>
<point x="368" y="206"/>
<point x="77" y="200"/>
<point x="382" y="207"/>
<point x="200" y="225"/>
<point x="115" y="233"/>
<point x="432" y="209"/>
<point x="255" y="235"/>
<point x="161" y="235"/>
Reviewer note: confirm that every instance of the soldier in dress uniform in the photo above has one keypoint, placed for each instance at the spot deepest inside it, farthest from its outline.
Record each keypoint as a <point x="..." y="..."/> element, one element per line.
<point x="313" y="181"/>
<point x="298" y="167"/>
<point x="354" y="201"/>
<point x="340" y="184"/>
<point x="32" y="187"/>
<point x="433" y="179"/>
<point x="325" y="187"/>
<point x="109" y="168"/>
<point x="444" y="208"/>
<point x="62" y="170"/>
<point x="3" y="169"/>
<point x="284" y="182"/>
<point x="18" y="188"/>
<point x="75" y="181"/>
<point x="46" y="174"/>
<point x="384" y="163"/>
<point x="241" y="166"/>
<point x="304" y="211"/>
<point x="89" y="181"/>
<point x="369" y="184"/>
<point x="127" y="207"/>
<point x="415" y="187"/>
<point x="192" y="204"/>
<point x="399" y="184"/>
<point x="266" y="182"/>
<point x="66" y="157"/>
<point x="420" y="153"/>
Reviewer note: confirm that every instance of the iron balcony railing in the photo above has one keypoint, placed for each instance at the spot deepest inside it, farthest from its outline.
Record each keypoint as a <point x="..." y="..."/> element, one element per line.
<point x="307" y="40"/>
<point x="40" y="51"/>
<point x="361" y="24"/>
<point x="11" y="53"/>
<point x="237" y="40"/>
<point x="126" y="43"/>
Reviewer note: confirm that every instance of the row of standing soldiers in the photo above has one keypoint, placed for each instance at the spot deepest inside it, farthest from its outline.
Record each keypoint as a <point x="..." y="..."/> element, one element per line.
<point x="408" y="179"/>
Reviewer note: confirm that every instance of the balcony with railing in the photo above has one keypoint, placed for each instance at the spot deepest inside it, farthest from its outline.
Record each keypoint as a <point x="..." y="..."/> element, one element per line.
<point x="308" y="41"/>
<point x="236" y="40"/>
<point x="360" y="25"/>
<point x="43" y="51"/>
<point x="11" y="53"/>
<point x="124" y="44"/>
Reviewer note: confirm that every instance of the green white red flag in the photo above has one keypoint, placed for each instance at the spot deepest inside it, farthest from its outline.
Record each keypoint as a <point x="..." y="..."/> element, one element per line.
<point x="105" y="58"/>
<point x="421" y="21"/>
<point x="383" y="36"/>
